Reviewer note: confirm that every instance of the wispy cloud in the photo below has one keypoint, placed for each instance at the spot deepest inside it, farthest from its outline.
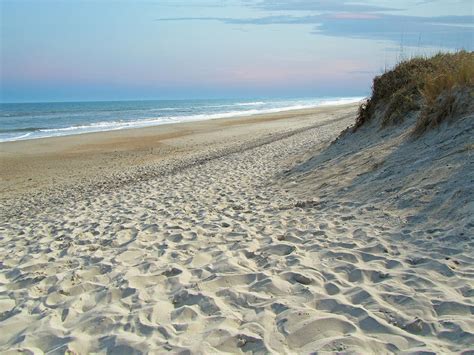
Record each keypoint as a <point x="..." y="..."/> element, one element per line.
<point x="444" y="31"/>
<point x="319" y="6"/>
<point x="201" y="3"/>
<point x="377" y="20"/>
<point x="269" y="20"/>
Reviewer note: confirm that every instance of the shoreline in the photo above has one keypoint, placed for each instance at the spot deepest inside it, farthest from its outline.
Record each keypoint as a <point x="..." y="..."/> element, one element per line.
<point x="36" y="164"/>
<point x="148" y="122"/>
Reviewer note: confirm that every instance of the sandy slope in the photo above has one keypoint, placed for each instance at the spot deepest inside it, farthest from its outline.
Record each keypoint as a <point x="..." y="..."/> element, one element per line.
<point x="271" y="242"/>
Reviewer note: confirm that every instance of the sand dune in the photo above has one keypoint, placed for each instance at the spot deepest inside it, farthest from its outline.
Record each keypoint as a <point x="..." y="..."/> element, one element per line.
<point x="258" y="237"/>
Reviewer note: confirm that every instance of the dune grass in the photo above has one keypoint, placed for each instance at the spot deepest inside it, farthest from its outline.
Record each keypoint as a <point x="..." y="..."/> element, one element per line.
<point x="428" y="86"/>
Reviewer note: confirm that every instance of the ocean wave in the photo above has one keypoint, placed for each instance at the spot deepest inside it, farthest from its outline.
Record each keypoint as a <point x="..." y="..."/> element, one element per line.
<point x="250" y="103"/>
<point x="109" y="125"/>
<point x="17" y="138"/>
<point x="22" y="129"/>
<point x="256" y="103"/>
<point x="341" y="101"/>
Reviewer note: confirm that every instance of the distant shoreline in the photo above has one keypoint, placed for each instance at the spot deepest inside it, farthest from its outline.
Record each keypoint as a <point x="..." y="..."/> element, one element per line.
<point x="20" y="122"/>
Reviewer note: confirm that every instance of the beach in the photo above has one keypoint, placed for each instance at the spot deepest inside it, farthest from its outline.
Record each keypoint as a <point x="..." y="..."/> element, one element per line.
<point x="31" y="166"/>
<point x="263" y="234"/>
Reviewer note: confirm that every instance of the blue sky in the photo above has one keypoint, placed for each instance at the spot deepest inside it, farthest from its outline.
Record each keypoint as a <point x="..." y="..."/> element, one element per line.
<point x="115" y="50"/>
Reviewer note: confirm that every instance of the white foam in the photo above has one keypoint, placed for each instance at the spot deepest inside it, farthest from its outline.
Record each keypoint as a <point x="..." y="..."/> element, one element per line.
<point x="155" y="121"/>
<point x="22" y="137"/>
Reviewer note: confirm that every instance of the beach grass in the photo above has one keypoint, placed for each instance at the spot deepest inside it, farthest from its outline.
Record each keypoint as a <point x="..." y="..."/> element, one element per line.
<point x="432" y="87"/>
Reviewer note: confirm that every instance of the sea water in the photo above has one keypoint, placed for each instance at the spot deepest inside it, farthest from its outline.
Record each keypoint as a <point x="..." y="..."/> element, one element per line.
<point x="20" y="121"/>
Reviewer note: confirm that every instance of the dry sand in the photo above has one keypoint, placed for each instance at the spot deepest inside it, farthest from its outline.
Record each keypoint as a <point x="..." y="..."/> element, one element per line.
<point x="239" y="235"/>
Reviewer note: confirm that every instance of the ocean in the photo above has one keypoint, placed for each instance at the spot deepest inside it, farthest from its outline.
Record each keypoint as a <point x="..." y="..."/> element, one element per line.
<point x="20" y="121"/>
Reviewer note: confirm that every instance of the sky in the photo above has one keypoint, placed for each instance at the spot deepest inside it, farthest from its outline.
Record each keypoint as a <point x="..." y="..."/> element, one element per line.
<point x="72" y="50"/>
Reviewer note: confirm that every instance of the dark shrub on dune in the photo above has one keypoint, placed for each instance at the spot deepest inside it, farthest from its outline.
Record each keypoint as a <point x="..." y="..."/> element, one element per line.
<point x="435" y="88"/>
